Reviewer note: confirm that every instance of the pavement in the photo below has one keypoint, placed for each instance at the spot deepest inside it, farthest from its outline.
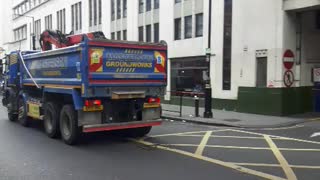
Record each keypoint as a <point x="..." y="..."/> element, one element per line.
<point x="235" y="119"/>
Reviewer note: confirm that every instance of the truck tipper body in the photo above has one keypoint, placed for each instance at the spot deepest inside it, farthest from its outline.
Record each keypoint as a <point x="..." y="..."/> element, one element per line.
<point x="97" y="85"/>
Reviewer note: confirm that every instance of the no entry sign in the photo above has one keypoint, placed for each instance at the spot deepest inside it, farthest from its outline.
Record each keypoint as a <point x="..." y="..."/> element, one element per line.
<point x="288" y="59"/>
<point x="288" y="78"/>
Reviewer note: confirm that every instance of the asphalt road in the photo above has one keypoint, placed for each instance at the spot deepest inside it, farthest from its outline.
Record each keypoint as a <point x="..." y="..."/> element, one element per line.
<point x="172" y="151"/>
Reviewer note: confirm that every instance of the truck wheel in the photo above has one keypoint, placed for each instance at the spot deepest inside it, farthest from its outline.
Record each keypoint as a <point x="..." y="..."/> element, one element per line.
<point x="69" y="125"/>
<point x="22" y="113"/>
<point x="12" y="117"/>
<point x="138" y="132"/>
<point x="51" y="119"/>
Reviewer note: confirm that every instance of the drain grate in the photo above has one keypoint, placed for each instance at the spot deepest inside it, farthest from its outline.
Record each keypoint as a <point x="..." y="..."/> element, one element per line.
<point x="232" y="120"/>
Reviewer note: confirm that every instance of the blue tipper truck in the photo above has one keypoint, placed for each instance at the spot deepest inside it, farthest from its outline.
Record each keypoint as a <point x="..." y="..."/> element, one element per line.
<point x="96" y="85"/>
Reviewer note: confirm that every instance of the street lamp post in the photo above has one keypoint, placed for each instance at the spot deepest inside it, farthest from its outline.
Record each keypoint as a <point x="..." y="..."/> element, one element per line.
<point x="208" y="89"/>
<point x="33" y="35"/>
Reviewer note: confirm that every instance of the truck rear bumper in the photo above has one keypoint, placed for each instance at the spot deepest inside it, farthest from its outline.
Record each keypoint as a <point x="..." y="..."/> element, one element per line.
<point x="119" y="126"/>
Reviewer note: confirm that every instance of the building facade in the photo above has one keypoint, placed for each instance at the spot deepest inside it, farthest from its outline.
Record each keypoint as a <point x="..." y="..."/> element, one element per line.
<point x="249" y="40"/>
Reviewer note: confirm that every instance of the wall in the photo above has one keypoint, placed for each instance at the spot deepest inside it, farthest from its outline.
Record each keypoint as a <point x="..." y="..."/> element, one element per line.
<point x="299" y="4"/>
<point x="310" y="47"/>
<point x="254" y="28"/>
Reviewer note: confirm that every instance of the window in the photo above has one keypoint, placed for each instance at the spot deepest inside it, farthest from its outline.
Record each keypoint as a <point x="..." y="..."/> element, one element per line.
<point x="261" y="73"/>
<point x="76" y="17"/>
<point x="20" y="33"/>
<point x="177" y="29"/>
<point x="188" y="27"/>
<point x="90" y="13"/>
<point x="100" y="12"/>
<point x="227" y="43"/>
<point x="95" y="16"/>
<point x="95" y="12"/>
<point x="156" y="32"/>
<point x="61" y="20"/>
<point x="148" y="7"/>
<point x="187" y="74"/>
<point x="124" y="8"/>
<point x="119" y="35"/>
<point x="148" y="29"/>
<point x="72" y="17"/>
<point x="199" y="25"/>
<point x="141" y="4"/>
<point x="156" y="4"/>
<point x="118" y="9"/>
<point x="124" y="36"/>
<point x="48" y="22"/>
<point x="37" y="31"/>
<point x="113" y="15"/>
<point x="113" y="36"/>
<point x="177" y="1"/>
<point x="141" y="33"/>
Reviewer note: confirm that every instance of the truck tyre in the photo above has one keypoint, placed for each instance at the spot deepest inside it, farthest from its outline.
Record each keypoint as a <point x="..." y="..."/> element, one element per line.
<point x="138" y="132"/>
<point x="12" y="117"/>
<point x="22" y="113"/>
<point x="51" y="119"/>
<point x="69" y="125"/>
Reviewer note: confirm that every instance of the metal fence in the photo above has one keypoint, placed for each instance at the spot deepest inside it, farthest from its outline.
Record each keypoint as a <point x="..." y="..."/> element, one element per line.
<point x="183" y="94"/>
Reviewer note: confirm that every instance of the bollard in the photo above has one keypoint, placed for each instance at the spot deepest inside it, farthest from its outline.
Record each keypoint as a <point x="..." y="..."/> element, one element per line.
<point x="180" y="106"/>
<point x="196" y="106"/>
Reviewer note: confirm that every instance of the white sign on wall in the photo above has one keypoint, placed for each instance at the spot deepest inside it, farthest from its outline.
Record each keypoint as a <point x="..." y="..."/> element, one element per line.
<point x="316" y="74"/>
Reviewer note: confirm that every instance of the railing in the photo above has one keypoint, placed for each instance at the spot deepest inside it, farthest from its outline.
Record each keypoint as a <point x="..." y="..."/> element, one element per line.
<point x="182" y="94"/>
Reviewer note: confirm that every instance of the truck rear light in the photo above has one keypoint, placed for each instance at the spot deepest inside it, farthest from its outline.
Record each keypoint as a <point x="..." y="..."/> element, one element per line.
<point x="92" y="103"/>
<point x="154" y="100"/>
<point x="97" y="102"/>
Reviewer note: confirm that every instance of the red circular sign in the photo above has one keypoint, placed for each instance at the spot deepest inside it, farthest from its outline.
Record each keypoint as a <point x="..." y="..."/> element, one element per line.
<point x="288" y="59"/>
<point x="288" y="78"/>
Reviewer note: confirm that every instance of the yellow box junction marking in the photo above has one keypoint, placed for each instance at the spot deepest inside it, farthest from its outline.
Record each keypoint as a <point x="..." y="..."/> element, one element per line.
<point x="215" y="161"/>
<point x="283" y="162"/>
<point x="203" y="143"/>
<point x="237" y="165"/>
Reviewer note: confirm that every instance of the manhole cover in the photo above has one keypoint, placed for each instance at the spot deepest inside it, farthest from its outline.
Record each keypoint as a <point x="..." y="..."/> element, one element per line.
<point x="232" y="120"/>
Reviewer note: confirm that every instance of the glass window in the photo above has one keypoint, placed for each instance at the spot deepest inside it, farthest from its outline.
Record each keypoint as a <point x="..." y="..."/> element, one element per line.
<point x="72" y="17"/>
<point x="188" y="27"/>
<point x="199" y="25"/>
<point x="148" y="33"/>
<point x="118" y="9"/>
<point x="177" y="1"/>
<point x="124" y="8"/>
<point x="112" y="10"/>
<point x="90" y="13"/>
<point x="148" y="5"/>
<point x="76" y="17"/>
<point x="177" y="29"/>
<point x="100" y="11"/>
<point x="141" y="4"/>
<point x="141" y="33"/>
<point x="80" y="15"/>
<point x="95" y="17"/>
<point x="227" y="43"/>
<point x="48" y="22"/>
<point x="156" y="32"/>
<point x="124" y="36"/>
<point x="113" y="36"/>
<point x="156" y="4"/>
<point x="119" y="35"/>
<point x="187" y="74"/>
<point x="61" y="20"/>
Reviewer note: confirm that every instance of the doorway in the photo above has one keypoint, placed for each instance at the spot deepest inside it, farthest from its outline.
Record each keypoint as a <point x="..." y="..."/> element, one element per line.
<point x="262" y="65"/>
